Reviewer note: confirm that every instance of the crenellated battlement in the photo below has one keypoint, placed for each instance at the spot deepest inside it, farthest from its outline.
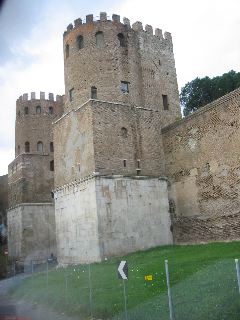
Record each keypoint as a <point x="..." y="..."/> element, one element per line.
<point x="138" y="27"/>
<point x="91" y="19"/>
<point x="41" y="96"/>
<point x="103" y="17"/>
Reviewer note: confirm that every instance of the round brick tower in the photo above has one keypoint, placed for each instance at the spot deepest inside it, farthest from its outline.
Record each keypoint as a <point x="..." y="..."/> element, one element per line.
<point x="105" y="59"/>
<point x="34" y="117"/>
<point x="100" y="62"/>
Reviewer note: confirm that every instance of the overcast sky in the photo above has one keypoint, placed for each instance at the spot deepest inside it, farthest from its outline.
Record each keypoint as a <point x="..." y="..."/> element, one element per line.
<point x="205" y="38"/>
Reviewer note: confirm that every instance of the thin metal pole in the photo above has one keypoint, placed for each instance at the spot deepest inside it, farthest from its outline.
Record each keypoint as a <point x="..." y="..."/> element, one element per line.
<point x="238" y="273"/>
<point x="169" y="292"/>
<point x="66" y="287"/>
<point x="90" y="288"/>
<point x="125" y="300"/>
<point x="32" y="270"/>
<point x="14" y="269"/>
<point x="6" y="263"/>
<point x="47" y="272"/>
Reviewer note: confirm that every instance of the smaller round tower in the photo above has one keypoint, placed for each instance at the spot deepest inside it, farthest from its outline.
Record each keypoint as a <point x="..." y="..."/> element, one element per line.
<point x="34" y="117"/>
<point x="30" y="174"/>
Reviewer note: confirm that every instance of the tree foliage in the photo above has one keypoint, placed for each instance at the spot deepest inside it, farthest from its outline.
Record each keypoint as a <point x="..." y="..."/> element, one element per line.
<point x="201" y="91"/>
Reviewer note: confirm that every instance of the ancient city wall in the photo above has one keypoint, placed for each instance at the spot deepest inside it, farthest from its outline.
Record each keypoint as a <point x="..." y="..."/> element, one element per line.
<point x="31" y="232"/>
<point x="203" y="166"/>
<point x="3" y="198"/>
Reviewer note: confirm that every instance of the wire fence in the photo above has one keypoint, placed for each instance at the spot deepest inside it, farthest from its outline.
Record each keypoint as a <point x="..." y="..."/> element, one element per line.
<point x="95" y="290"/>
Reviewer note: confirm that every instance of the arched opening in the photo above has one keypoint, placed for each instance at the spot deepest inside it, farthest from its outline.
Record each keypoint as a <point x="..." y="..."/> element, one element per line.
<point x="26" y="110"/>
<point x="124" y="132"/>
<point x="165" y="102"/>
<point x="121" y="39"/>
<point x="99" y="39"/>
<point x="93" y="93"/>
<point x="40" y="146"/>
<point x="51" y="147"/>
<point x="27" y="146"/>
<point x="80" y="42"/>
<point x="67" y="51"/>
<point x="18" y="150"/>
<point x="38" y="109"/>
<point x="50" y="110"/>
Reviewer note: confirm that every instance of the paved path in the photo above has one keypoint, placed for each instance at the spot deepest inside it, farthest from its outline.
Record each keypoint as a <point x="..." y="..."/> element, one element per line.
<point x="11" y="309"/>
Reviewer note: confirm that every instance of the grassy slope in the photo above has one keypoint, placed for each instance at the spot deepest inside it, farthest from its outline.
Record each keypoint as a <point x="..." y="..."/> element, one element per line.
<point x="203" y="281"/>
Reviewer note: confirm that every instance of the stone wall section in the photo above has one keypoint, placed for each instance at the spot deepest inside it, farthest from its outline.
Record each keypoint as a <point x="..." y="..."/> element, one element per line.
<point x="77" y="223"/>
<point x="31" y="232"/>
<point x="202" y="163"/>
<point x="133" y="214"/>
<point x="101" y="217"/>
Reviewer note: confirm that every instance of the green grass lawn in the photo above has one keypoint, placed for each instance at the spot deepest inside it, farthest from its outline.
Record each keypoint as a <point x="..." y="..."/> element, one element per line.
<point x="203" y="283"/>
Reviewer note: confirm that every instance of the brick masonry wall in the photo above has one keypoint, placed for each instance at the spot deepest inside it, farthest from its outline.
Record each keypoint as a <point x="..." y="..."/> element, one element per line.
<point x="202" y="163"/>
<point x="30" y="179"/>
<point x="195" y="229"/>
<point x="100" y="136"/>
<point x="73" y="140"/>
<point x="127" y="133"/>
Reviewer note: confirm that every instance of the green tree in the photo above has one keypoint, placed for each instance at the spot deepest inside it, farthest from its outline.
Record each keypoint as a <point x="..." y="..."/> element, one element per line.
<point x="201" y="91"/>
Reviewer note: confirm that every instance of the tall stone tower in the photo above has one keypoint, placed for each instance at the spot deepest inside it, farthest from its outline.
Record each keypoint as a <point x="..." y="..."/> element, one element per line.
<point x="111" y="61"/>
<point x="121" y="89"/>
<point x="31" y="223"/>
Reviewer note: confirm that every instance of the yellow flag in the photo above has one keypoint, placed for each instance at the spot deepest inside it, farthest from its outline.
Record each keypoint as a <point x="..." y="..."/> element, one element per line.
<point x="148" y="277"/>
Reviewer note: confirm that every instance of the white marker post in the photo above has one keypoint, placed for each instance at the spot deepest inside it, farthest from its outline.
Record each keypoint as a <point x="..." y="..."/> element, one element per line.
<point x="238" y="273"/>
<point x="169" y="292"/>
<point x="123" y="274"/>
<point x="47" y="271"/>
<point x="90" y="289"/>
